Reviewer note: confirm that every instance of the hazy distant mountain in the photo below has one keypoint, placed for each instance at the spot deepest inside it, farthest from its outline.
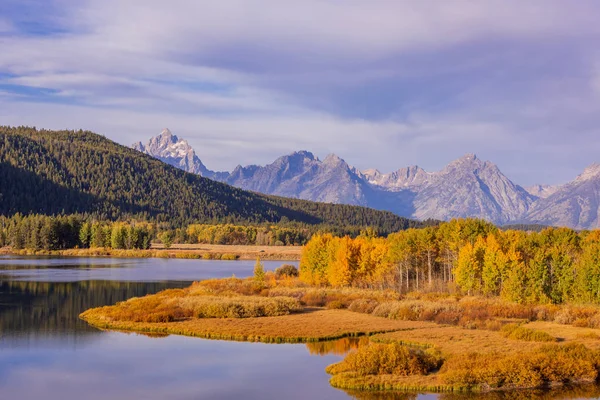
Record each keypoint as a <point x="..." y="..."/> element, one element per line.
<point x="302" y="175"/>
<point x="178" y="153"/>
<point x="471" y="187"/>
<point x="403" y="178"/>
<point x="542" y="191"/>
<point x="467" y="187"/>
<point x="575" y="204"/>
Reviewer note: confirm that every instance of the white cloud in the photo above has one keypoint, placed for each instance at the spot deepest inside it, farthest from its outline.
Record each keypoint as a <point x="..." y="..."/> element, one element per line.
<point x="248" y="80"/>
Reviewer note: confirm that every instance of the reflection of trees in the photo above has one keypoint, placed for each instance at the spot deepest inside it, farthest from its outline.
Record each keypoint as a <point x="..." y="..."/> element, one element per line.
<point x="338" y="347"/>
<point x="368" y="395"/>
<point x="581" y="392"/>
<point x="47" y="308"/>
<point x="564" y="393"/>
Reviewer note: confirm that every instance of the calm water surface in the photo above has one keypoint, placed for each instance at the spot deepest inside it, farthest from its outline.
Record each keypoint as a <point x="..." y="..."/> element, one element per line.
<point x="47" y="352"/>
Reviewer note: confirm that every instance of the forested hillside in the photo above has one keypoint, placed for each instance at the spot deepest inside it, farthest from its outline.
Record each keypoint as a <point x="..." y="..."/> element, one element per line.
<point x="64" y="172"/>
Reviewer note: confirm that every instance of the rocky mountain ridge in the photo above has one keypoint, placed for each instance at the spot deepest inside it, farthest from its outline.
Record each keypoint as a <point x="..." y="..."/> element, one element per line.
<point x="177" y="152"/>
<point x="466" y="187"/>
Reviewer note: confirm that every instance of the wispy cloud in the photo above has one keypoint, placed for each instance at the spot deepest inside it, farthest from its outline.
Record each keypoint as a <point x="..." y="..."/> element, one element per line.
<point x="383" y="83"/>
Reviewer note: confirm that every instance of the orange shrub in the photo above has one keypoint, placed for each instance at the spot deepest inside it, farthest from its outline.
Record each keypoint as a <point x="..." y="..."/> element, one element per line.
<point x="547" y="365"/>
<point x="384" y="359"/>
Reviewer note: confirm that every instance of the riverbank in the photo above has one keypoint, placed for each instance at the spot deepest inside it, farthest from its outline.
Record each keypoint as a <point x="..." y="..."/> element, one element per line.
<point x="186" y="251"/>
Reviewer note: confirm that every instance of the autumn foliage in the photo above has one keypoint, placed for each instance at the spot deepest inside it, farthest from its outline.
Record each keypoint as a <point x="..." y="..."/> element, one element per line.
<point x="387" y="359"/>
<point x="554" y="266"/>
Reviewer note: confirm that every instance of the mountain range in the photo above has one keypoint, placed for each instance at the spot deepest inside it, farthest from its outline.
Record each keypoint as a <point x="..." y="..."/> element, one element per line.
<point x="467" y="187"/>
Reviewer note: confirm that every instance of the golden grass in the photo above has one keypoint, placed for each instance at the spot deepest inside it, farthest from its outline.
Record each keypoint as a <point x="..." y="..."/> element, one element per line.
<point x="173" y="305"/>
<point x="290" y="253"/>
<point x="321" y="297"/>
<point x="455" y="340"/>
<point x="482" y="360"/>
<point x="567" y="333"/>
<point x="545" y="366"/>
<point x="309" y="326"/>
<point x="384" y="367"/>
<point x="518" y="332"/>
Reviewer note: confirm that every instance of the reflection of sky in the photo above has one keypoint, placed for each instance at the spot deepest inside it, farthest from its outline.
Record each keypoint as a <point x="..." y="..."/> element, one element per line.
<point x="127" y="366"/>
<point x="131" y="270"/>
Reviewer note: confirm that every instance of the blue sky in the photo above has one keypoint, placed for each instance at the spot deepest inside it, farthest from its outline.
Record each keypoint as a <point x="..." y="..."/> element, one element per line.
<point x="383" y="84"/>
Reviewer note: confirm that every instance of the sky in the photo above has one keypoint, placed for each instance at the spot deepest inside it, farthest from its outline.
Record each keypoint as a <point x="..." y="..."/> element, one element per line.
<point x="383" y="84"/>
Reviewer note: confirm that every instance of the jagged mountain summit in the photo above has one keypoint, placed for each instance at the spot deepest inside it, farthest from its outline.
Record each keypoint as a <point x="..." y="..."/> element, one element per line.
<point x="302" y="175"/>
<point x="178" y="153"/>
<point x="467" y="187"/>
<point x="575" y="204"/>
<point x="471" y="187"/>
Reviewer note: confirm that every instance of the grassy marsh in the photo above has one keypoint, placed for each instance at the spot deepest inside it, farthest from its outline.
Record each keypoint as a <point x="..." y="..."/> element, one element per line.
<point x="426" y="342"/>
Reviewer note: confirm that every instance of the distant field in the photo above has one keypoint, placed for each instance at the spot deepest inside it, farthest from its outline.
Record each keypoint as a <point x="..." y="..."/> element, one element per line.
<point x="205" y="251"/>
<point x="244" y="252"/>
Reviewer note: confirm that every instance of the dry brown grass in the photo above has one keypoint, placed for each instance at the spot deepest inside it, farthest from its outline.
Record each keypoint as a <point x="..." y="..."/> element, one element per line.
<point x="519" y="332"/>
<point x="311" y="325"/>
<point x="567" y="333"/>
<point x="548" y="365"/>
<point x="455" y="340"/>
<point x="283" y="253"/>
<point x="321" y="297"/>
<point x="200" y="251"/>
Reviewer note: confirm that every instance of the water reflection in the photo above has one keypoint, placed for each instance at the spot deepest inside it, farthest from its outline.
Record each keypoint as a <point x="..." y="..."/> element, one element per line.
<point x="580" y="392"/>
<point x="126" y="269"/>
<point x="52" y="308"/>
<point x="566" y="393"/>
<point x="338" y="347"/>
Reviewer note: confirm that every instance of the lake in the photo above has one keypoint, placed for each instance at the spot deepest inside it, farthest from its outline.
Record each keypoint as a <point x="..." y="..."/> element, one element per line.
<point x="47" y="352"/>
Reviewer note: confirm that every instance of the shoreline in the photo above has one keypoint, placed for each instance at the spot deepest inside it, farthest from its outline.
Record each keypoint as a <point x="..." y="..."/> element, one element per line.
<point x="185" y="251"/>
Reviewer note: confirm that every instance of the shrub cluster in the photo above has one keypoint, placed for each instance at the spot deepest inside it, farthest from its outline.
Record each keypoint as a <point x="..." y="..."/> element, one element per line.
<point x="322" y="297"/>
<point x="365" y="306"/>
<point x="387" y="359"/>
<point x="476" y="312"/>
<point x="239" y="307"/>
<point x="552" y="364"/>
<point x="517" y="332"/>
<point x="199" y="301"/>
<point x="286" y="270"/>
<point x="162" y="307"/>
